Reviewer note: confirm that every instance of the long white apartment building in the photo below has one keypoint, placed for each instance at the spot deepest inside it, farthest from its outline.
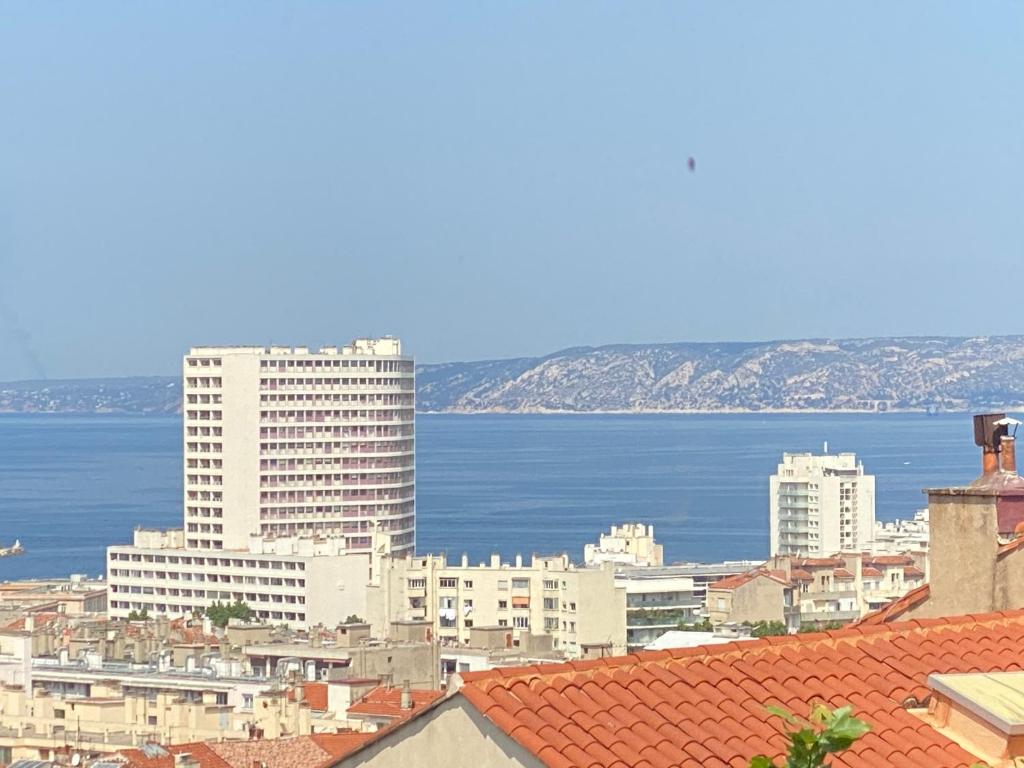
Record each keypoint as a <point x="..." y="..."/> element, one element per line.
<point x="821" y="505"/>
<point x="293" y="458"/>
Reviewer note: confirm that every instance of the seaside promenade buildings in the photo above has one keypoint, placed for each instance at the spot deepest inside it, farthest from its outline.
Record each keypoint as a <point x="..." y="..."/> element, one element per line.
<point x="293" y="460"/>
<point x="820" y="505"/>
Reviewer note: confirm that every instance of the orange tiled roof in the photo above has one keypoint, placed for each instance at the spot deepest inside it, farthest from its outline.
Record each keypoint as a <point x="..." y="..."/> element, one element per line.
<point x="820" y="562"/>
<point x="897" y="607"/>
<point x="705" y="706"/>
<point x="200" y="751"/>
<point x="842" y="573"/>
<point x="315" y="694"/>
<point x="733" y="582"/>
<point x="891" y="560"/>
<point x="867" y="572"/>
<point x="39" y="619"/>
<point x="387" y="702"/>
<point x="801" y="575"/>
<point x="314" y="751"/>
<point x="912" y="572"/>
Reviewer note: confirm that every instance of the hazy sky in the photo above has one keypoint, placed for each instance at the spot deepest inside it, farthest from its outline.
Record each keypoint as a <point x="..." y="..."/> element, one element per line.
<point x="499" y="179"/>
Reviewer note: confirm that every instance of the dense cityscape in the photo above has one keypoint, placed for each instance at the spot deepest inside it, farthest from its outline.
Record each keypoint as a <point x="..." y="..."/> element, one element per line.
<point x="511" y="385"/>
<point x="290" y="612"/>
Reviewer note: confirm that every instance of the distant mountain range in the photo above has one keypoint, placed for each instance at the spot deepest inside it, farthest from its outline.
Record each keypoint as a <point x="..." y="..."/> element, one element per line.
<point x="869" y="375"/>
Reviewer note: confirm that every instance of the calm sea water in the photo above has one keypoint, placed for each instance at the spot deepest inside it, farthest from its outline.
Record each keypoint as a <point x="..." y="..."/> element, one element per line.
<point x="511" y="484"/>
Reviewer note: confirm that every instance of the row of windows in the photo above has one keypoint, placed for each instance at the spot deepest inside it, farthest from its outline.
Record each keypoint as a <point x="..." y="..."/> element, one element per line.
<point x="366" y="476"/>
<point x="224" y="562"/>
<point x="381" y="366"/>
<point x="295" y="433"/>
<point x="185" y="608"/>
<point x="222" y="578"/>
<point x="335" y="511"/>
<point x="271" y="384"/>
<point x="389" y="414"/>
<point x="187" y="592"/>
<point x="255" y="597"/>
<point x="379" y="446"/>
<point x="325" y="398"/>
<point x="450" y="582"/>
<point x="321" y="462"/>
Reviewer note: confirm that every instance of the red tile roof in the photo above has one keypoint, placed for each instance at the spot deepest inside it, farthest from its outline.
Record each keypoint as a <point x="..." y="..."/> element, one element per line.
<point x="820" y="562"/>
<point x="896" y="608"/>
<point x="891" y="560"/>
<point x="867" y="572"/>
<point x="912" y="572"/>
<point x="316" y="751"/>
<point x="315" y="694"/>
<point x="842" y="573"/>
<point x="705" y="706"/>
<point x="200" y="752"/>
<point x="387" y="702"/>
<point x="733" y="582"/>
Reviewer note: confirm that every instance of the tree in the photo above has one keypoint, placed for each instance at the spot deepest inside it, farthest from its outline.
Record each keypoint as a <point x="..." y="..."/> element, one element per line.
<point x="825" y="731"/>
<point x="814" y="626"/>
<point x="221" y="613"/>
<point x="354" y="619"/>
<point x="768" y="629"/>
<point x="142" y="615"/>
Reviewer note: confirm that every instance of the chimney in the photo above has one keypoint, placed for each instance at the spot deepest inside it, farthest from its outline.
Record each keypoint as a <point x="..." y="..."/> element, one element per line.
<point x="989" y="429"/>
<point x="1008" y="454"/>
<point x="406" y="701"/>
<point x="967" y="572"/>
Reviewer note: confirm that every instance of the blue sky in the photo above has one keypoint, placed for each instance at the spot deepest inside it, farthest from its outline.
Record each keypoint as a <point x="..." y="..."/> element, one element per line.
<point x="500" y="179"/>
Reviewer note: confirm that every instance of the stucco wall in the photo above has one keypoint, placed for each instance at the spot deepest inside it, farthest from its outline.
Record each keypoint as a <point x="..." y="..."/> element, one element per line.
<point x="453" y="735"/>
<point x="962" y="557"/>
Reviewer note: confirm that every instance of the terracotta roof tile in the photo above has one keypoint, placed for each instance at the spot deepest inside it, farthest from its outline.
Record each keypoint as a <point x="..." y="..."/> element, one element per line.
<point x="200" y="752"/>
<point x="387" y="702"/>
<point x="314" y="694"/>
<point x="706" y="707"/>
<point x="733" y="582"/>
<point x="896" y="608"/>
<point x="890" y="560"/>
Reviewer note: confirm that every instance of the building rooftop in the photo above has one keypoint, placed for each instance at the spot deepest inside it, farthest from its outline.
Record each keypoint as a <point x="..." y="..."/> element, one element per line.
<point x="706" y="706"/>
<point x="387" y="702"/>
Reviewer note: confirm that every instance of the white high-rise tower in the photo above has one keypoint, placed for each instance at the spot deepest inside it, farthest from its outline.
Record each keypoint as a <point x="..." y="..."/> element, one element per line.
<point x="295" y="463"/>
<point x="821" y="505"/>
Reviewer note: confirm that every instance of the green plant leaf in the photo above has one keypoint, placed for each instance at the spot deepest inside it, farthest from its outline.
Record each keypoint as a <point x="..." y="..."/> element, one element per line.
<point x="761" y="762"/>
<point x="785" y="714"/>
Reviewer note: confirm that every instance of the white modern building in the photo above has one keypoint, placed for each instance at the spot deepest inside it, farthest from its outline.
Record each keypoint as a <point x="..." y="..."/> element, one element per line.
<point x="295" y="462"/>
<point x="821" y="505"/>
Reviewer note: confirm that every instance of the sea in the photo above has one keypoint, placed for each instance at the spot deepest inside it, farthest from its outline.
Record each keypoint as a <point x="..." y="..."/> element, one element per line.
<point x="511" y="484"/>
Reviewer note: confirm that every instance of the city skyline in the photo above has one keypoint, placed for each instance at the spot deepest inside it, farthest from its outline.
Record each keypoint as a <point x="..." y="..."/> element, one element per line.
<point x="517" y="179"/>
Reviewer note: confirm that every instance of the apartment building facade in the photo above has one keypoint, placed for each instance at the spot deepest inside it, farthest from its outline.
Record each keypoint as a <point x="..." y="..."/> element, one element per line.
<point x="820" y="505"/>
<point x="580" y="611"/>
<point x="294" y="461"/>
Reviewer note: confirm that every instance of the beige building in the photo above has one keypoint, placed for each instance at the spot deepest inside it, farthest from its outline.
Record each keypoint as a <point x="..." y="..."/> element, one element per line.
<point x="580" y="610"/>
<point x="820" y="505"/>
<point x="293" y="460"/>
<point x="760" y="595"/>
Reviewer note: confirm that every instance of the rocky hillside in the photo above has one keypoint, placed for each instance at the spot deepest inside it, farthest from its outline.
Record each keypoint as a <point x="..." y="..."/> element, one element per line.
<point x="812" y="375"/>
<point x="818" y="374"/>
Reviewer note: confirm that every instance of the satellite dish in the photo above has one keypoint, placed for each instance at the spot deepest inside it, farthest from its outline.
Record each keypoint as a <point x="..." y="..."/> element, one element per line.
<point x="76" y="759"/>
